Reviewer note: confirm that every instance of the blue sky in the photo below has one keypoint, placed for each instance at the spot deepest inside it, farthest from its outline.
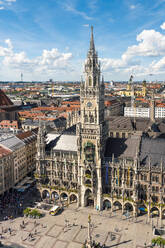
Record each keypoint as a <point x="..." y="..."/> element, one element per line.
<point x="49" y="39"/>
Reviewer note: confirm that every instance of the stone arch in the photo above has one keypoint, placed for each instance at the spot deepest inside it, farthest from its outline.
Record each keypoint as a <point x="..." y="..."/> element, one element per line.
<point x="154" y="211"/>
<point x="107" y="204"/>
<point x="88" y="198"/>
<point x="55" y="195"/>
<point x="128" y="206"/>
<point x="73" y="198"/>
<point x="64" y="195"/>
<point x="118" y="205"/>
<point x="45" y="194"/>
<point x="142" y="209"/>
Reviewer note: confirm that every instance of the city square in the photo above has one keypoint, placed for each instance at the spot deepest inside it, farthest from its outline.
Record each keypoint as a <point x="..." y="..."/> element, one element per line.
<point x="69" y="230"/>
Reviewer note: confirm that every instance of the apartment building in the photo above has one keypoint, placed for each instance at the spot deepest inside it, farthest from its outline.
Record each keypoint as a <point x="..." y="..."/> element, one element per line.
<point x="6" y="169"/>
<point x="29" y="138"/>
<point x="18" y="149"/>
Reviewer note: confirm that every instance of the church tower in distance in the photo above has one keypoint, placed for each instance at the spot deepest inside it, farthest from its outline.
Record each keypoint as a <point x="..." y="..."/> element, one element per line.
<point x="91" y="132"/>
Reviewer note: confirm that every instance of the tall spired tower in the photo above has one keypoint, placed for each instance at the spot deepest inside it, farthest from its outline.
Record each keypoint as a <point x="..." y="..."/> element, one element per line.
<point x="91" y="131"/>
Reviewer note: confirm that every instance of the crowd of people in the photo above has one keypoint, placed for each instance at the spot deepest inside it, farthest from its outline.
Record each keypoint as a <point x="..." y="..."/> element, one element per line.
<point x="12" y="203"/>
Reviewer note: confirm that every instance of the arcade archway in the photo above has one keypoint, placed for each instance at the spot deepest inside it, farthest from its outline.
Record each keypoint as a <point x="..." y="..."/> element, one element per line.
<point x="45" y="194"/>
<point x="55" y="195"/>
<point x="142" y="210"/>
<point x="106" y="204"/>
<point x="73" y="198"/>
<point x="117" y="206"/>
<point x="88" y="198"/>
<point x="154" y="212"/>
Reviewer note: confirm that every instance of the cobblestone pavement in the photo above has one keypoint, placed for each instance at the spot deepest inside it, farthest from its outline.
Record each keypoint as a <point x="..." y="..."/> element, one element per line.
<point x="69" y="230"/>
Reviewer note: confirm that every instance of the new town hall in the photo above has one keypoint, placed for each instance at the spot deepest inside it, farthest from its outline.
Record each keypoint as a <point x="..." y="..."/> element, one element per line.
<point x="104" y="162"/>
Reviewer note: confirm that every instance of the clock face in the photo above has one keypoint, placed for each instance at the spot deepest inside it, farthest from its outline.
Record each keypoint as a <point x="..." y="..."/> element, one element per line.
<point x="89" y="104"/>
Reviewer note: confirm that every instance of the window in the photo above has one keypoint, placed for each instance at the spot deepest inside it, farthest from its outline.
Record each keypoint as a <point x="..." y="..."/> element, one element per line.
<point x="90" y="81"/>
<point x="111" y="134"/>
<point x="123" y="135"/>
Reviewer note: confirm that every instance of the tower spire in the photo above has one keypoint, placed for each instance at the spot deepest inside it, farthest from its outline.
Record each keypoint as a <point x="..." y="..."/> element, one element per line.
<point x="92" y="45"/>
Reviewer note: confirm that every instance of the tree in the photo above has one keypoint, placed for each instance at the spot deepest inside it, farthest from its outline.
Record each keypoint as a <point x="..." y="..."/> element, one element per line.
<point x="159" y="241"/>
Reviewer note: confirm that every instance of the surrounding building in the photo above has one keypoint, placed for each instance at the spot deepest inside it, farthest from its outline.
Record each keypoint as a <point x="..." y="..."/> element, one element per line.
<point x="138" y="91"/>
<point x="114" y="162"/>
<point x="17" y="158"/>
<point x="144" y="112"/>
<point x="18" y="149"/>
<point x="6" y="170"/>
<point x="29" y="138"/>
<point x="7" y="110"/>
<point x="9" y="125"/>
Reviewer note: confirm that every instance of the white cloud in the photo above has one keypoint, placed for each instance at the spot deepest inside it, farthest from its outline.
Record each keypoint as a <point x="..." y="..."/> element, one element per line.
<point x="50" y="60"/>
<point x="72" y="9"/>
<point x="5" y="3"/>
<point x="85" y="25"/>
<point x="132" y="6"/>
<point x="163" y="26"/>
<point x="151" y="44"/>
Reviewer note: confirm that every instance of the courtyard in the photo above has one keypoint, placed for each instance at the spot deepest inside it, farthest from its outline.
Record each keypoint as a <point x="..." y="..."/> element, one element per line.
<point x="69" y="230"/>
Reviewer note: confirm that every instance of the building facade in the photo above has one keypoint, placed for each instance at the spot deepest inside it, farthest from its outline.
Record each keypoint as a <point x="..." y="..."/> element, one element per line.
<point x="17" y="158"/>
<point x="6" y="170"/>
<point x="91" y="164"/>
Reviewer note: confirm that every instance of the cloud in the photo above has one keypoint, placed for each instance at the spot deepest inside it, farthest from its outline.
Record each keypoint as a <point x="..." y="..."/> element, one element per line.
<point x="151" y="44"/>
<point x="163" y="26"/>
<point x="70" y="8"/>
<point x="5" y="3"/>
<point x="132" y="6"/>
<point x="93" y="4"/>
<point x="50" y="60"/>
<point x="85" y="25"/>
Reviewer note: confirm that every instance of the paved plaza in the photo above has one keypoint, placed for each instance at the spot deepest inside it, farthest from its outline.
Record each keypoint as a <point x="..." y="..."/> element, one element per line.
<point x="69" y="230"/>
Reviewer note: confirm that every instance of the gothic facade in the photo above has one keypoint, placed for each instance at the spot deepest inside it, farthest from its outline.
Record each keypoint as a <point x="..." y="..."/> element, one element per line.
<point x="91" y="164"/>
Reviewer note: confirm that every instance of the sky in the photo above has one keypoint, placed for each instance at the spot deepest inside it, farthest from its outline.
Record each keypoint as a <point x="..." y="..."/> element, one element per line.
<point x="49" y="39"/>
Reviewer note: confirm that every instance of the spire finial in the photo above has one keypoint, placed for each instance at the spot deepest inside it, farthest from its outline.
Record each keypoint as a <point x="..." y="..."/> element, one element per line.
<point x="92" y="45"/>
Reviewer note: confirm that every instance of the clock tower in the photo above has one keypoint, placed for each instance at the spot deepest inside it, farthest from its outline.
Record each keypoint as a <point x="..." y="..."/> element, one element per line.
<point x="91" y="131"/>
